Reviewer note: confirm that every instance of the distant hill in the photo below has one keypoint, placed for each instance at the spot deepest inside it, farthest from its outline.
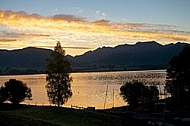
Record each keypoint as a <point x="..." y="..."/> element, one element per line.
<point x="26" y="60"/>
<point x="27" y="57"/>
<point x="142" y="55"/>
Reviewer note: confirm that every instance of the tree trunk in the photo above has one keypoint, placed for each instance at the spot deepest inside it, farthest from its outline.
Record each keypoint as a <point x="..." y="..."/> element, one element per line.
<point x="58" y="99"/>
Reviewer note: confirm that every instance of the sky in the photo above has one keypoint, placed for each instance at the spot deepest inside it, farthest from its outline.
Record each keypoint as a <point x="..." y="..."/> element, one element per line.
<point x="83" y="25"/>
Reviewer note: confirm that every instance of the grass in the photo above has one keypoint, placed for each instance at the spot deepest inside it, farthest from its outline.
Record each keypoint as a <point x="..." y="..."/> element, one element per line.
<point x="25" y="115"/>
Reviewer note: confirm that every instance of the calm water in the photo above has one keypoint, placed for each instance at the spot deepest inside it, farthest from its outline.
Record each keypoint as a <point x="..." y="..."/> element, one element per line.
<point x="89" y="89"/>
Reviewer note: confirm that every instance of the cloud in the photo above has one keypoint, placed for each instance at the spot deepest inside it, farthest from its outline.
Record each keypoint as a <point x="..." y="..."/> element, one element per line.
<point x="65" y="47"/>
<point x="103" y="14"/>
<point x="16" y="34"/>
<point x="100" y="15"/>
<point x="97" y="12"/>
<point x="17" y="15"/>
<point x="102" y="21"/>
<point x="8" y="40"/>
<point x="34" y="29"/>
<point x="66" y="17"/>
<point x="79" y="10"/>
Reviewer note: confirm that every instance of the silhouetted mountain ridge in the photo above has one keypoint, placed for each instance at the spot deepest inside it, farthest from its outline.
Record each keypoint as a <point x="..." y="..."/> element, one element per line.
<point x="142" y="55"/>
<point x="27" y="57"/>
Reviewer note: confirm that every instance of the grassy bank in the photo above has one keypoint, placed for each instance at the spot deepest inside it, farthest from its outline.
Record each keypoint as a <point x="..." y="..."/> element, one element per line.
<point x="25" y="115"/>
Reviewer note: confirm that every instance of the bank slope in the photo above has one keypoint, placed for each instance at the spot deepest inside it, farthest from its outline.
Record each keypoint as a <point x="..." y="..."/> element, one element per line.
<point x="49" y="115"/>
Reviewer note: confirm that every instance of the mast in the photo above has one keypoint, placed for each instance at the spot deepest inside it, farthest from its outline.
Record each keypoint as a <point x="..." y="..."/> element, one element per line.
<point x="106" y="97"/>
<point x="113" y="98"/>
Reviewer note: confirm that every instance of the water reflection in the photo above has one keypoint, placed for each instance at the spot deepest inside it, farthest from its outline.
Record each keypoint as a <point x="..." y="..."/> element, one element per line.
<point x="89" y="89"/>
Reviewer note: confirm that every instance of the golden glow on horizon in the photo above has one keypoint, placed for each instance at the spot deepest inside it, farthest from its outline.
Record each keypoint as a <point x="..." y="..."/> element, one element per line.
<point x="20" y="29"/>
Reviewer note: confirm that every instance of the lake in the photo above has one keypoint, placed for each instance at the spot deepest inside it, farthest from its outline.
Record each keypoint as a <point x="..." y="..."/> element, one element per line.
<point x="89" y="88"/>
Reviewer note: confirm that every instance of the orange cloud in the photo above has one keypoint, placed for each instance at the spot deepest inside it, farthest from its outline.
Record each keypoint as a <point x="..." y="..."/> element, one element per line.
<point x="66" y="47"/>
<point x="75" y="30"/>
<point x="7" y="40"/>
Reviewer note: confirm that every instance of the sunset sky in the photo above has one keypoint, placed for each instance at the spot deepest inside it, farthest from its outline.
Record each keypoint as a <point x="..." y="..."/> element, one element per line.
<point x="82" y="25"/>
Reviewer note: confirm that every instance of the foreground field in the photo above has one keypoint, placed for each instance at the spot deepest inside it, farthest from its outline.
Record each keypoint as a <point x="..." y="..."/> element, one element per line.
<point x="25" y="115"/>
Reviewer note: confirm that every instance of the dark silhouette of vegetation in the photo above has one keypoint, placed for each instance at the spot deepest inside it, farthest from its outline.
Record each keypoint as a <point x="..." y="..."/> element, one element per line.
<point x="178" y="78"/>
<point x="58" y="77"/>
<point x="136" y="93"/>
<point x="3" y="95"/>
<point x="15" y="91"/>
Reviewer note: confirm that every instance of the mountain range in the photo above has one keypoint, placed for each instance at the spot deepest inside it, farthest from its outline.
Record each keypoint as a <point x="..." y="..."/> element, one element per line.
<point x="142" y="55"/>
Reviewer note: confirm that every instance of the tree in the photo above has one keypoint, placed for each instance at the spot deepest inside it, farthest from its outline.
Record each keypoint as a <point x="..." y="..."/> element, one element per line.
<point x="178" y="78"/>
<point x="3" y="95"/>
<point x="58" y="77"/>
<point x="15" y="91"/>
<point x="136" y="93"/>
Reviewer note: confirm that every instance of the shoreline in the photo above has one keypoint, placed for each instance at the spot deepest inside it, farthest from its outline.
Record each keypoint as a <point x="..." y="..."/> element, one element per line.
<point x="161" y="70"/>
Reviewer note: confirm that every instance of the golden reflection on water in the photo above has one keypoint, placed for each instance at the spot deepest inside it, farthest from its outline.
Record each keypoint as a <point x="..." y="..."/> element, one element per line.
<point x="89" y="89"/>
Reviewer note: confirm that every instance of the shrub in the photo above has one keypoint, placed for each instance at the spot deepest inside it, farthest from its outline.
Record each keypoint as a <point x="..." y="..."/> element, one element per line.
<point x="15" y="91"/>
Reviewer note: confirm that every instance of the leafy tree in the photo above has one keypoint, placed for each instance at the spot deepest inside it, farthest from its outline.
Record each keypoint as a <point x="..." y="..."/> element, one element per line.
<point x="178" y="78"/>
<point x="151" y="93"/>
<point x="136" y="93"/>
<point x="15" y="91"/>
<point x="58" y="77"/>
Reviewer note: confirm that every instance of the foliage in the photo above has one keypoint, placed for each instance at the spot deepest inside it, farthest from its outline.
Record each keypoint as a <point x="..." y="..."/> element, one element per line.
<point x="136" y="93"/>
<point x="178" y="78"/>
<point x="3" y="95"/>
<point x="58" y="77"/>
<point x="15" y="91"/>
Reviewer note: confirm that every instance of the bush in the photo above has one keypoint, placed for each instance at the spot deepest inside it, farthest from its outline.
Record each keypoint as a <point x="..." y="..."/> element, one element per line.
<point x="15" y="91"/>
<point x="136" y="93"/>
<point x="3" y="95"/>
